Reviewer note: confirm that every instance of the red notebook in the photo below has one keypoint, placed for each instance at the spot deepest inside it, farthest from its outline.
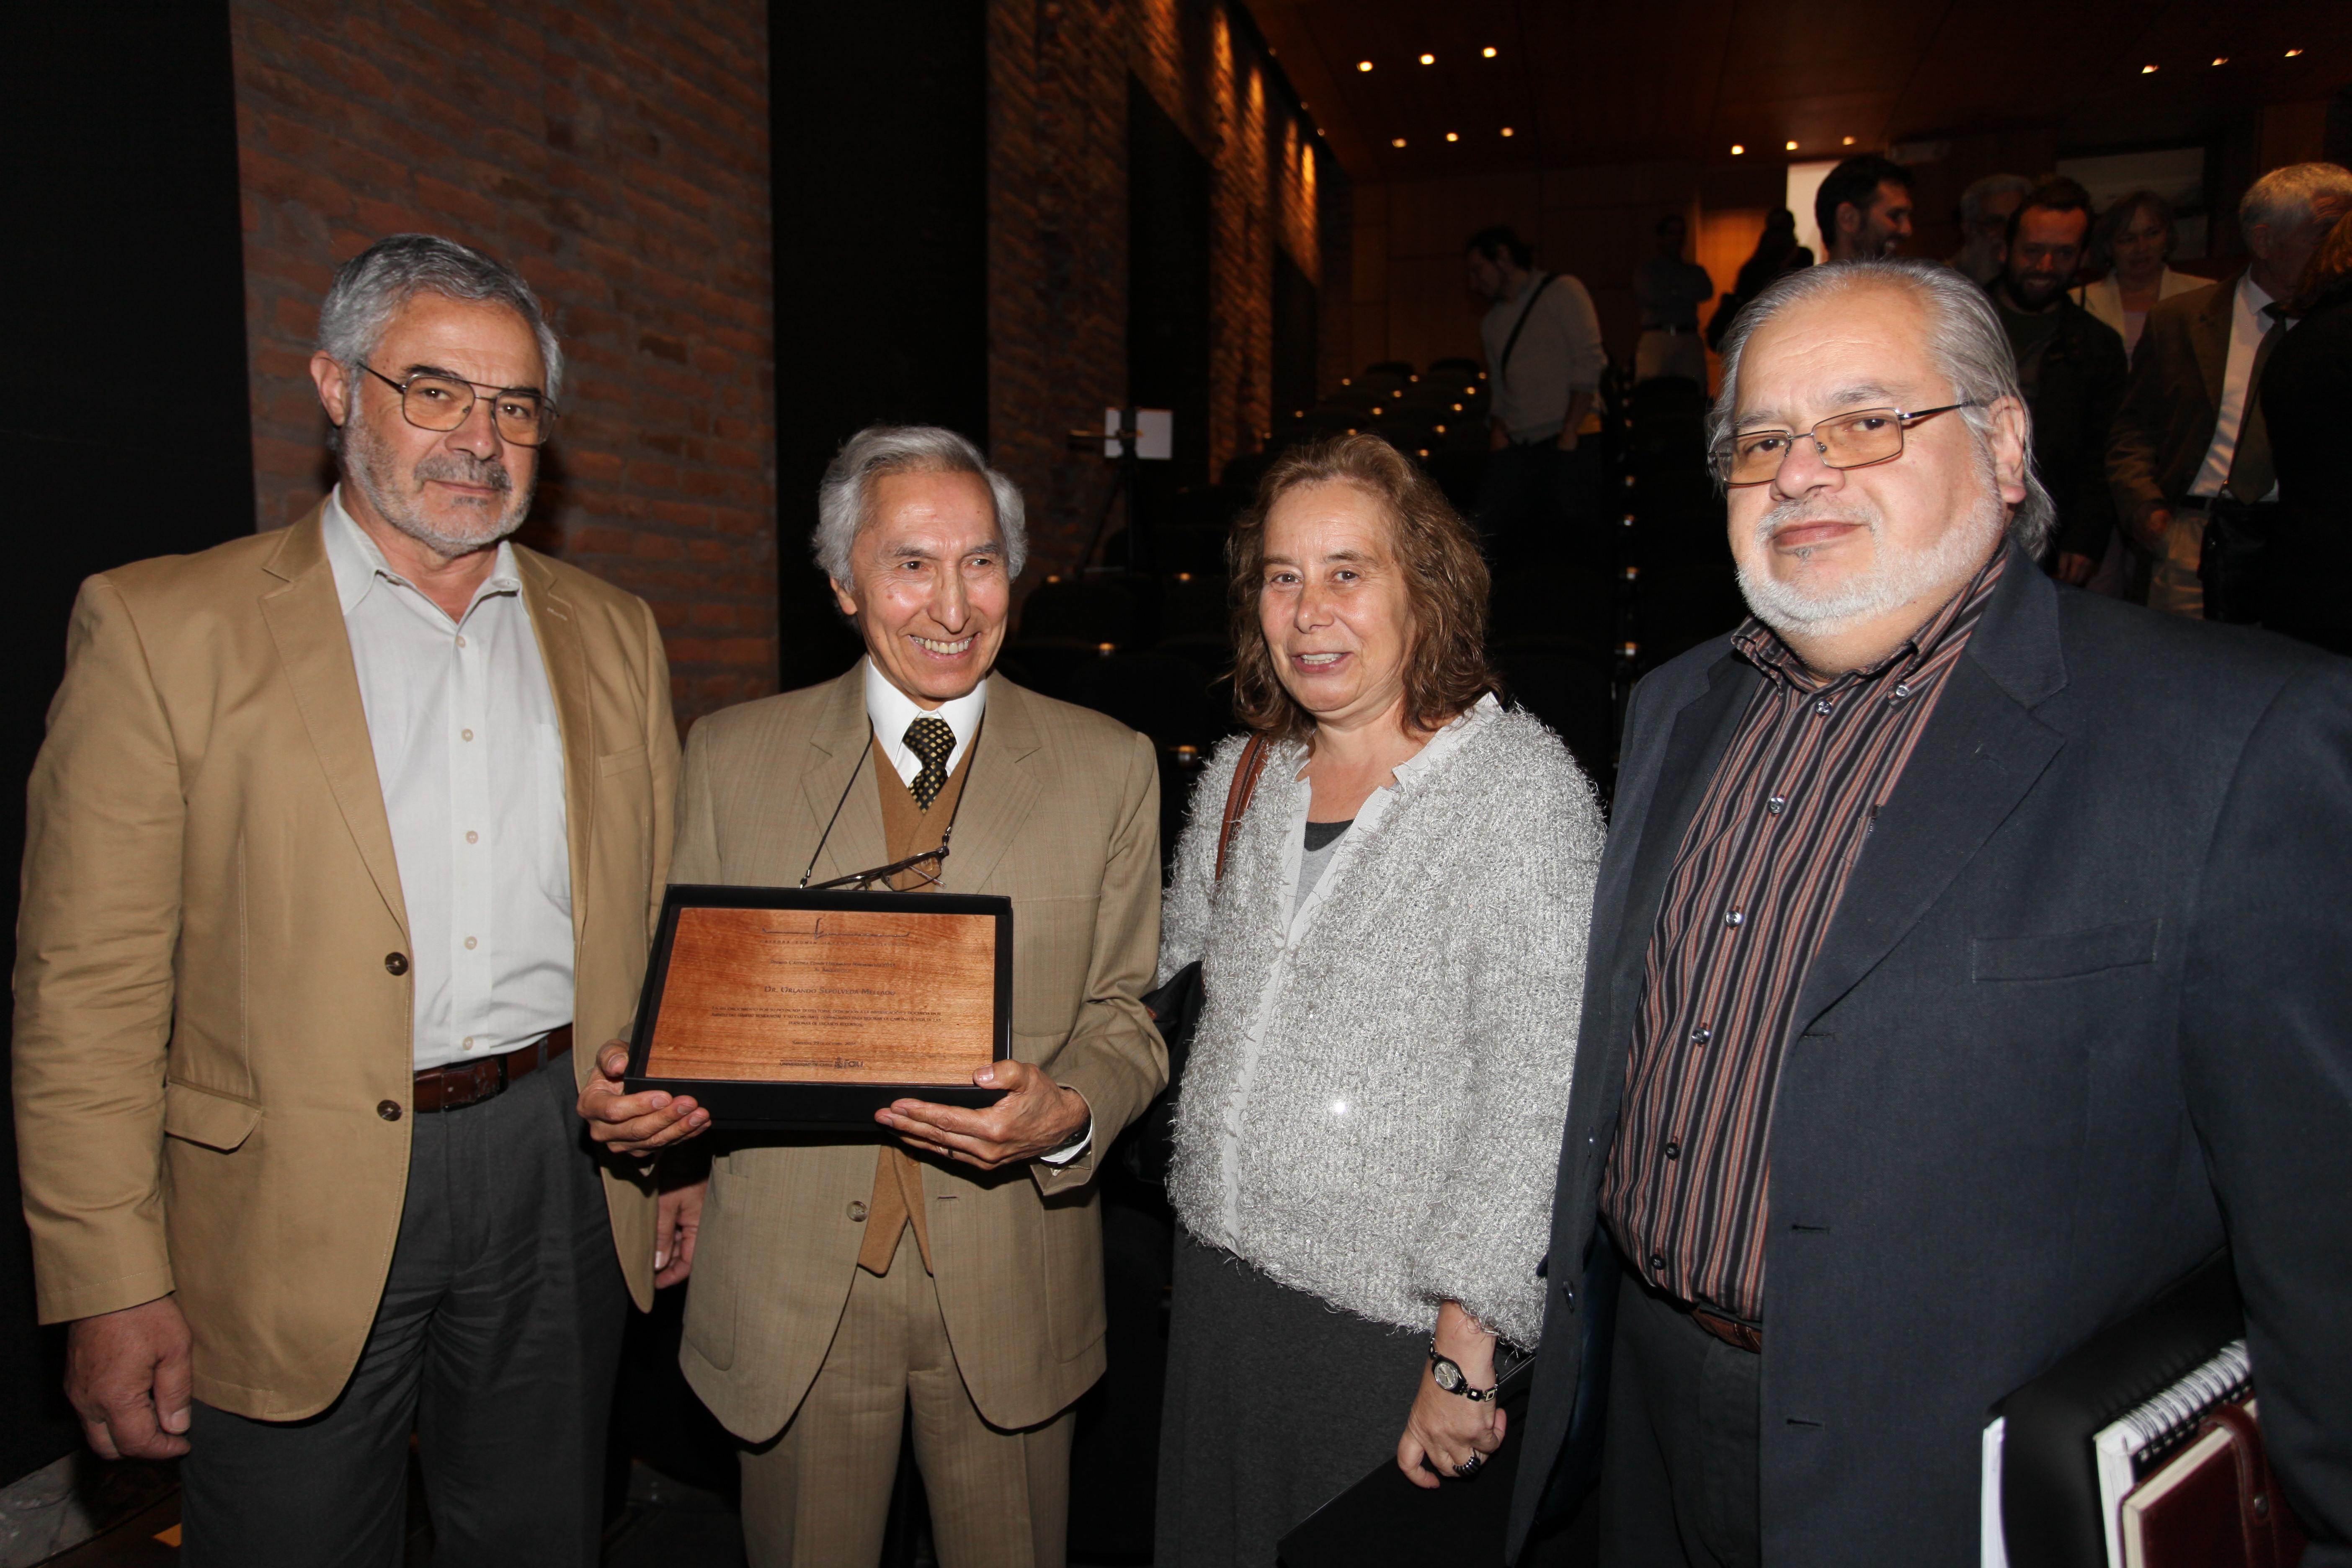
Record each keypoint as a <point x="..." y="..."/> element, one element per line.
<point x="2214" y="1504"/>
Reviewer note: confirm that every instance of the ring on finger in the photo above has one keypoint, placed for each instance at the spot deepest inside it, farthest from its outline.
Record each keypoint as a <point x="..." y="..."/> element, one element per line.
<point x="1469" y="1467"/>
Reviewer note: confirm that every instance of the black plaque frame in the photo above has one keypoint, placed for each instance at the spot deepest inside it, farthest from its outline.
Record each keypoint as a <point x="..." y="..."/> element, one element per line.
<point x="814" y="1107"/>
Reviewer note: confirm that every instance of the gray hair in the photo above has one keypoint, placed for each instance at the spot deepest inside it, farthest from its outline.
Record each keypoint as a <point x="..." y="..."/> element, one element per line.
<point x="371" y="287"/>
<point x="845" y="499"/>
<point x="1973" y="199"/>
<point x="1964" y="338"/>
<point x="2284" y="198"/>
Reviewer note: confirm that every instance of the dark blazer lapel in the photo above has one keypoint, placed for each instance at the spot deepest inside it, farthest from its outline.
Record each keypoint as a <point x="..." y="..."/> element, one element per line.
<point x="840" y="740"/>
<point x="565" y="655"/>
<point x="306" y="622"/>
<point x="1981" y="752"/>
<point x="999" y="791"/>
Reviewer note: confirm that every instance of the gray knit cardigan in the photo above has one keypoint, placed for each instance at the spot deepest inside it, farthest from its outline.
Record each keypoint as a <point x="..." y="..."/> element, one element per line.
<point x="1373" y="1113"/>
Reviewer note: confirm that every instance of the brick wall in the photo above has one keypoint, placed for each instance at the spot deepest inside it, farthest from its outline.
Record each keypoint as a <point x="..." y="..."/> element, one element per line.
<point x="618" y="155"/>
<point x="1058" y="72"/>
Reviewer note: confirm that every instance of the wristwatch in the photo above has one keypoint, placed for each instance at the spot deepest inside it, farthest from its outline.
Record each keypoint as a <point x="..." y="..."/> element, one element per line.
<point x="1449" y="1377"/>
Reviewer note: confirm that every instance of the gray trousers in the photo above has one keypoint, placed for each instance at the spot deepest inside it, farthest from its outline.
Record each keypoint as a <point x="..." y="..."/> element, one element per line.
<point x="495" y="1342"/>
<point x="1678" y="1474"/>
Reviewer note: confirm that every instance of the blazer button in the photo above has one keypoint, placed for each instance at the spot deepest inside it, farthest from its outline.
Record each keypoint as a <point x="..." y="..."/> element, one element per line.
<point x="397" y="963"/>
<point x="857" y="1212"/>
<point x="388" y="1109"/>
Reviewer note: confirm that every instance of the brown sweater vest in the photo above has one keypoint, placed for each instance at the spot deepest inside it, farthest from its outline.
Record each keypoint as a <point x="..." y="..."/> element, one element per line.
<point x="907" y="829"/>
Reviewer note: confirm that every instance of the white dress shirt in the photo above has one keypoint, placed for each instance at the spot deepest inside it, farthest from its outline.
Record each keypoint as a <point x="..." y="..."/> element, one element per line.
<point x="471" y="762"/>
<point x="2247" y="325"/>
<point x="1558" y="354"/>
<point x="890" y="711"/>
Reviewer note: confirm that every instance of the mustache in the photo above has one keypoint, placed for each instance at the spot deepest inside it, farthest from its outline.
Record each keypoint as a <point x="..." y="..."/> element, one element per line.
<point x="1798" y="513"/>
<point x="465" y="469"/>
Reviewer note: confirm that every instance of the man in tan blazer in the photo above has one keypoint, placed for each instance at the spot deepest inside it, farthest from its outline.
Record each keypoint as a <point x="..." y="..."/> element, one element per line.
<point x="838" y="1279"/>
<point x="337" y="835"/>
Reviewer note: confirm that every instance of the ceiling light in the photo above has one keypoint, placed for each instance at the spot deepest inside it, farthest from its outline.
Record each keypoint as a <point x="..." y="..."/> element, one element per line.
<point x="2148" y="70"/>
<point x="2221" y="60"/>
<point x="1363" y="65"/>
<point x="1398" y="142"/>
<point x="1791" y="146"/>
<point x="1452" y="136"/>
<point x="2292" y="53"/>
<point x="1429" y="59"/>
<point x="1488" y="51"/>
<point x="1849" y="141"/>
<point x="1737" y="149"/>
<point x="1506" y="130"/>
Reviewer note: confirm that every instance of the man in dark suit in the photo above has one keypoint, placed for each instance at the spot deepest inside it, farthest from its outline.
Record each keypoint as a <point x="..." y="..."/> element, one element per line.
<point x="2181" y="438"/>
<point x="1952" y="980"/>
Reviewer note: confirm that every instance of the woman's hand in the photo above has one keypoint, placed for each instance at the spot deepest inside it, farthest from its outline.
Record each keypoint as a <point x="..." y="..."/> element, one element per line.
<point x="1444" y="1431"/>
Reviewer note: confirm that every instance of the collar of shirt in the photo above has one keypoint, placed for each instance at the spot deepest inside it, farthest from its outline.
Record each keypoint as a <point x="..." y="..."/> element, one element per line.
<point x="1762" y="647"/>
<point x="2251" y="301"/>
<point x="891" y="710"/>
<point x="358" y="562"/>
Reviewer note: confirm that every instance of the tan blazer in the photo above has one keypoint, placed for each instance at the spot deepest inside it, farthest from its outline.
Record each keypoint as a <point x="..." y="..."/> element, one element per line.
<point x="2173" y="400"/>
<point x="1060" y="812"/>
<point x="207" y="1025"/>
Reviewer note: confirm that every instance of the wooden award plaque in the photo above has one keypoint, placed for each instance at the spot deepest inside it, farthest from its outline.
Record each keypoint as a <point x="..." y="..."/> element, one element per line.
<point x="780" y="1008"/>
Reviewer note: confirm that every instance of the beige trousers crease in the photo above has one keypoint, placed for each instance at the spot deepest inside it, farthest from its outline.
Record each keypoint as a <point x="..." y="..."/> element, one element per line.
<point x="2174" y="586"/>
<point x="819" y="1496"/>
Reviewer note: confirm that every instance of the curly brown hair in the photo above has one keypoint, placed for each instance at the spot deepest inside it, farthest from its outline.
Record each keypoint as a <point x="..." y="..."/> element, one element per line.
<point x="1445" y="581"/>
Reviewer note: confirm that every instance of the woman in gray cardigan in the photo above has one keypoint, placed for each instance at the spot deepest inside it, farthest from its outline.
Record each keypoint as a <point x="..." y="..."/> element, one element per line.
<point x="1366" y="1130"/>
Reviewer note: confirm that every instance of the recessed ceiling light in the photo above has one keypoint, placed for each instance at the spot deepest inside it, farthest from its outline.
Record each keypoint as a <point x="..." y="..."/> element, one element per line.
<point x="1506" y="130"/>
<point x="1398" y="142"/>
<point x="1453" y="136"/>
<point x="1363" y="65"/>
<point x="1429" y="59"/>
<point x="1737" y="149"/>
<point x="1791" y="146"/>
<point x="2292" y="53"/>
<point x="1849" y="141"/>
<point x="2148" y="70"/>
<point x="2221" y="60"/>
<point x="1488" y="51"/>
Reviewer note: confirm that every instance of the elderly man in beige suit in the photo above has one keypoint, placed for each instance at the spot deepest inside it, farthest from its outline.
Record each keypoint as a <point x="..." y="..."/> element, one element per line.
<point x="337" y="835"/>
<point x="836" y="1281"/>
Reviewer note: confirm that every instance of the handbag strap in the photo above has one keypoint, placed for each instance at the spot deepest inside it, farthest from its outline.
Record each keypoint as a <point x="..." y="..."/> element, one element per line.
<point x="1237" y="795"/>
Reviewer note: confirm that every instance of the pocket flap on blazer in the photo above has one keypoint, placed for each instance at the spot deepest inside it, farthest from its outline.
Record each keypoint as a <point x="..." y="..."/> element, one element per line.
<point x="202" y="1116"/>
<point x="2061" y="954"/>
<point x="621" y="762"/>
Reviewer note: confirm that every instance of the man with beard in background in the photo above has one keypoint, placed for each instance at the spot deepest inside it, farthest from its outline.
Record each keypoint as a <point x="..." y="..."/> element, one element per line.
<point x="2070" y="366"/>
<point x="336" y="833"/>
<point x="1954" y="988"/>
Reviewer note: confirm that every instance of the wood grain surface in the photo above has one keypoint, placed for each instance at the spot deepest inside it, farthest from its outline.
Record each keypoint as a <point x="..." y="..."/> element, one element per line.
<point x="830" y="996"/>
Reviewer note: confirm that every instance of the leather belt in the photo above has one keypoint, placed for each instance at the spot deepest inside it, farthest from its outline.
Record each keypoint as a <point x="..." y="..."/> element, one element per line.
<point x="468" y="1083"/>
<point x="1738" y="1335"/>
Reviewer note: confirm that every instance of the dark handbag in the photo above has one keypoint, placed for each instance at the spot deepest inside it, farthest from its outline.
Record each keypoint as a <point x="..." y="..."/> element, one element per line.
<point x="1176" y="1007"/>
<point x="2230" y="565"/>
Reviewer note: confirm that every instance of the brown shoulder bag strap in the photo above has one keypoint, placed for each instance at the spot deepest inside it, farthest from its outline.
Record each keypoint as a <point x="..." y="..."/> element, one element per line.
<point x="1238" y="797"/>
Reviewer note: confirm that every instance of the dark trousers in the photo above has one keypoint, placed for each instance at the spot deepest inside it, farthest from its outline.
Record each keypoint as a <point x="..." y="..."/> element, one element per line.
<point x="1678" y="1473"/>
<point x="495" y="1342"/>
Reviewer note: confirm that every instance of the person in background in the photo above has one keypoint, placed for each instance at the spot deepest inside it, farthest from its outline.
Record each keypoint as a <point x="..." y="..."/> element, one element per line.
<point x="2176" y="439"/>
<point x="310" y="917"/>
<point x="1670" y="290"/>
<point x="1777" y="252"/>
<point x="1985" y="210"/>
<point x="2070" y="366"/>
<point x="1393" y="958"/>
<point x="2306" y="399"/>
<point x="2134" y="240"/>
<point x="1544" y="360"/>
<point x="1863" y="208"/>
<point x="1968" y="967"/>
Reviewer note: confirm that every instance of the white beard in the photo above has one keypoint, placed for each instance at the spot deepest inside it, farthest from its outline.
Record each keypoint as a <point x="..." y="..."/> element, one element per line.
<point x="1894" y="581"/>
<point x="369" y="465"/>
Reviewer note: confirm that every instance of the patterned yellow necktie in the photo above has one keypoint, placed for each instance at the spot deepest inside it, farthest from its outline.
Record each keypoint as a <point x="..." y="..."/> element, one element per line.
<point x="930" y="738"/>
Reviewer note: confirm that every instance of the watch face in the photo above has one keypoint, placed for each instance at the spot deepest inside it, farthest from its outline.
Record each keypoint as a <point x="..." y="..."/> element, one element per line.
<point x="1449" y="1376"/>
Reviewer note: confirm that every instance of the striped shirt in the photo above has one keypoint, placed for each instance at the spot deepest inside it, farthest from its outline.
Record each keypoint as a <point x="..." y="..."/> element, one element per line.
<point x="1754" y="885"/>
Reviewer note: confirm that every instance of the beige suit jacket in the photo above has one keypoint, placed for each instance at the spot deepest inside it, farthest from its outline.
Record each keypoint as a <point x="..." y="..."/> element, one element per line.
<point x="1061" y="813"/>
<point x="205" y="1021"/>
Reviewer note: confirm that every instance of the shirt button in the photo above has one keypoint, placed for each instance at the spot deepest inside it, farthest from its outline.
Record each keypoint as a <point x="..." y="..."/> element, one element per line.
<point x="1902" y="689"/>
<point x="461" y="639"/>
<point x="857" y="1212"/>
<point x="473" y="837"/>
<point x="1825" y="707"/>
<point x="1657" y="1263"/>
<point x="468" y="734"/>
<point x="1702" y="1035"/>
<point x="470" y="1042"/>
<point x="1674" y="1149"/>
<point x="388" y="1109"/>
<point x="469" y="944"/>
<point x="396" y="963"/>
<point x="1776" y="804"/>
<point x="1734" y="919"/>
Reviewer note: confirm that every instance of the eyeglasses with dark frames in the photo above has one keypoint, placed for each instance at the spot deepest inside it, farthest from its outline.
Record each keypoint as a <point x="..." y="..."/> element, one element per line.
<point x="431" y="400"/>
<point x="1850" y="440"/>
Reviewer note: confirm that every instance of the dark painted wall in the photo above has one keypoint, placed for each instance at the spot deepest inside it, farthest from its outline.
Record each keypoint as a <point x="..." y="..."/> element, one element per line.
<point x="126" y="434"/>
<point x="879" y="143"/>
